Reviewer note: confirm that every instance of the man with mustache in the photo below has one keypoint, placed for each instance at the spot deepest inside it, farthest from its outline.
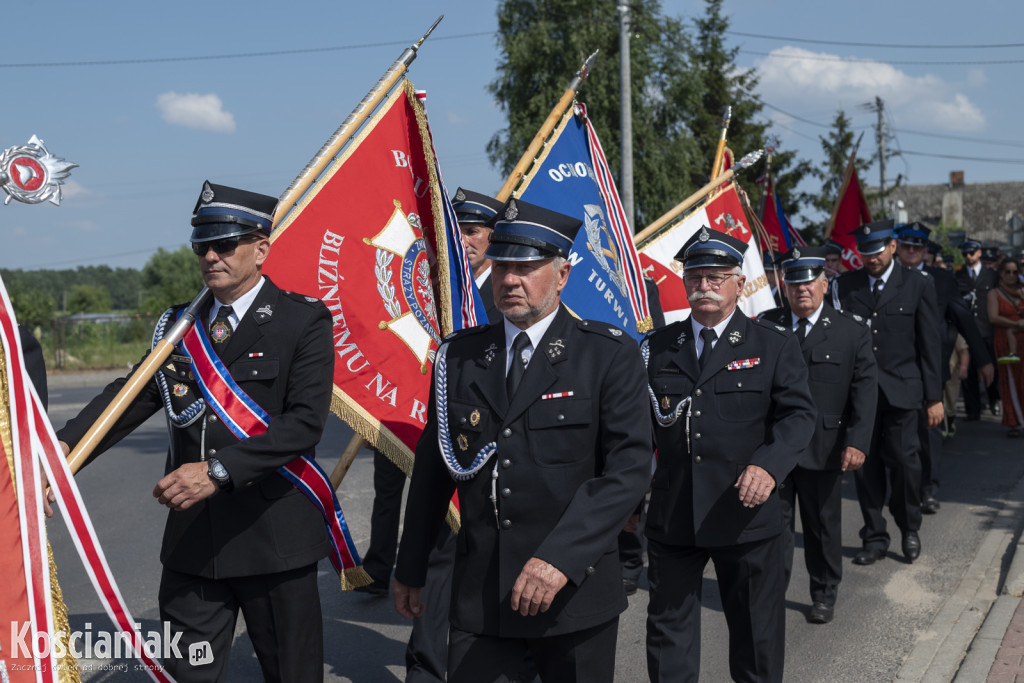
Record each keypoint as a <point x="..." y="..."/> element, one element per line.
<point x="732" y="412"/>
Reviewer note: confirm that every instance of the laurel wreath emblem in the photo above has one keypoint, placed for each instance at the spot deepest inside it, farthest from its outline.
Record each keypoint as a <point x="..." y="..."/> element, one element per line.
<point x="384" y="287"/>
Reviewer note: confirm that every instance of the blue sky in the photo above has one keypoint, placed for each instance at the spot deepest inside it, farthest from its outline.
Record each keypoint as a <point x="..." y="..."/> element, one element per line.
<point x="147" y="134"/>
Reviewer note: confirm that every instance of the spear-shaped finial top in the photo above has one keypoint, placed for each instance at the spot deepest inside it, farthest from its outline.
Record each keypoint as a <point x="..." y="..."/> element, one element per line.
<point x="749" y="159"/>
<point x="727" y="116"/>
<point x="427" y="34"/>
<point x="588" y="64"/>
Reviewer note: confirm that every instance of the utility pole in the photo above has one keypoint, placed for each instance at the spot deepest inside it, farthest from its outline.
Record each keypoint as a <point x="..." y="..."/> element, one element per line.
<point x="625" y="114"/>
<point x="880" y="108"/>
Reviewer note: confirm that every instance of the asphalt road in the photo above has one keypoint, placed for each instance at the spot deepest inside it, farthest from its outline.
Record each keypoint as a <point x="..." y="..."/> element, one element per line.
<point x="883" y="610"/>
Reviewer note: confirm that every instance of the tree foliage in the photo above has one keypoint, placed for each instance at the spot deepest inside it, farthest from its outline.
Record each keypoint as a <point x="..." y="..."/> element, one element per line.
<point x="542" y="43"/>
<point x="837" y="145"/>
<point x="168" y="278"/>
<point x="122" y="285"/>
<point x="88" y="299"/>
<point x="31" y="306"/>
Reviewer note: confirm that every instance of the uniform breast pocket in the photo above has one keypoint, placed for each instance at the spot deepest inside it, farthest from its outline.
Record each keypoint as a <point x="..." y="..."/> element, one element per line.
<point x="738" y="395"/>
<point x="670" y="390"/>
<point x="470" y="425"/>
<point x="559" y="430"/>
<point x="255" y="370"/>
<point x="824" y="366"/>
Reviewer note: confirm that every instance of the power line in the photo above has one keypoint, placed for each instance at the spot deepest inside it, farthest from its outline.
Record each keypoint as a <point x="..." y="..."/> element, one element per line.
<point x="822" y="58"/>
<point x="807" y="121"/>
<point x="962" y="138"/>
<point x="237" y="55"/>
<point x="885" y="45"/>
<point x="88" y="259"/>
<point x="961" y="158"/>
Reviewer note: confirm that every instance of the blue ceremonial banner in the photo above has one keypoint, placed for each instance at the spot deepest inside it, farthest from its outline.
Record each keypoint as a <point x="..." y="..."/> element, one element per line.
<point x="572" y="177"/>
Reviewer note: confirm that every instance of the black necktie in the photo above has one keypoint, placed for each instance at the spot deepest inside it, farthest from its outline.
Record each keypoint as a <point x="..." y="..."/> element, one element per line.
<point x="802" y="325"/>
<point x="709" y="336"/>
<point x="877" y="289"/>
<point x="220" y="328"/>
<point x="518" y="366"/>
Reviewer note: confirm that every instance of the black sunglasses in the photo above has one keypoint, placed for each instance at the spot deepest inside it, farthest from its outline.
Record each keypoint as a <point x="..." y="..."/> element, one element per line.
<point x="221" y="246"/>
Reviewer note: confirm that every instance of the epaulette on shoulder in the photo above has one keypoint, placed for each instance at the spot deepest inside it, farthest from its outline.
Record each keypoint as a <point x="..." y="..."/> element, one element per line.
<point x="308" y="300"/>
<point x="853" y="316"/>
<point x="770" y="312"/>
<point x="602" y="328"/>
<point x="467" y="332"/>
<point x="768" y="324"/>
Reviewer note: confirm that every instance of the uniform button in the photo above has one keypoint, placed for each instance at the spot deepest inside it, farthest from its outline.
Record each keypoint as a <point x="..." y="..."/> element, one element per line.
<point x="875" y="348"/>
<point x="506" y="524"/>
<point x="253" y="373"/>
<point x="827" y="356"/>
<point x="505" y="493"/>
<point x="875" y="331"/>
<point x="875" y="314"/>
<point x="697" y="393"/>
<point x="211" y="419"/>
<point x="697" y="414"/>
<point x="506" y="463"/>
<point x="212" y="452"/>
<point x="462" y="420"/>
<point x="739" y="384"/>
<point x="697" y="435"/>
<point x="697" y="459"/>
<point x="560" y="417"/>
<point x="507" y="432"/>
<point x="590" y="571"/>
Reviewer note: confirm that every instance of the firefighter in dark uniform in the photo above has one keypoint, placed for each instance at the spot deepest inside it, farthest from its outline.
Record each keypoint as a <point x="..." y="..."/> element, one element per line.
<point x="537" y="422"/>
<point x="953" y="318"/>
<point x="974" y="281"/>
<point x="473" y="211"/>
<point x="843" y="380"/>
<point x="239" y="535"/>
<point x="899" y="305"/>
<point x="732" y="413"/>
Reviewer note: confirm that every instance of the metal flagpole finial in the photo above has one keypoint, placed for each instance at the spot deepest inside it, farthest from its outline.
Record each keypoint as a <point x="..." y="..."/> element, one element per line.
<point x="427" y="34"/>
<point x="771" y="144"/>
<point x="749" y="159"/>
<point x="727" y="116"/>
<point x="584" y="71"/>
<point x="30" y="174"/>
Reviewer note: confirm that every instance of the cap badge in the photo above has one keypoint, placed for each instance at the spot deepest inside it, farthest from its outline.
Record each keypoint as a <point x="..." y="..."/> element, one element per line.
<point x="207" y="195"/>
<point x="460" y="196"/>
<point x="796" y="253"/>
<point x="866" y="230"/>
<point x="704" y="236"/>
<point x="512" y="211"/>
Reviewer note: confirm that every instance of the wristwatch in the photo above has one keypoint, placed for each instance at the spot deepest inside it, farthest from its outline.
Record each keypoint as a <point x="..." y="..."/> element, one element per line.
<point x="218" y="473"/>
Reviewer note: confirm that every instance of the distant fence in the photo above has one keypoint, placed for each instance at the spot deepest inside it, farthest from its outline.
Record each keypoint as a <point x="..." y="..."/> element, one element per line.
<point x="94" y="340"/>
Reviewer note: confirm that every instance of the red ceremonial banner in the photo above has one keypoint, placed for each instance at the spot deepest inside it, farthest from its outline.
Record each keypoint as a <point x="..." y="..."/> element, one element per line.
<point x="364" y="240"/>
<point x="851" y="212"/>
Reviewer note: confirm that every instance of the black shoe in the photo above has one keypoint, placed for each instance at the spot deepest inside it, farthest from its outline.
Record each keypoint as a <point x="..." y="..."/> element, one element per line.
<point x="629" y="586"/>
<point x="930" y="505"/>
<point x="997" y="409"/>
<point x="911" y="546"/>
<point x="820" y="613"/>
<point x="375" y="588"/>
<point x="869" y="556"/>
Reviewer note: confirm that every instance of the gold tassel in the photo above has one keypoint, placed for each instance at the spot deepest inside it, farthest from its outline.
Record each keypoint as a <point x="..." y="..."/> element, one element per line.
<point x="68" y="670"/>
<point x="354" y="577"/>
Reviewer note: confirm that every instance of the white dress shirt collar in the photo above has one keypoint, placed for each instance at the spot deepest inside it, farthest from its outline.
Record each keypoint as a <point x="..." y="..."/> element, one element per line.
<point x="239" y="308"/>
<point x="535" y="332"/>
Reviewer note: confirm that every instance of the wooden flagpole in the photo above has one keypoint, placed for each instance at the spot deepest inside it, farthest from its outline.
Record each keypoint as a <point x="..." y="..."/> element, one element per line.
<point x="162" y="351"/>
<point x="652" y="229"/>
<point x="545" y="130"/>
<point x="847" y="176"/>
<point x="716" y="168"/>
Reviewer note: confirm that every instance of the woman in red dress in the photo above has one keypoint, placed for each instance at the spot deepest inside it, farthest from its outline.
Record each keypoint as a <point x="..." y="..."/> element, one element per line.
<point x="1006" y="312"/>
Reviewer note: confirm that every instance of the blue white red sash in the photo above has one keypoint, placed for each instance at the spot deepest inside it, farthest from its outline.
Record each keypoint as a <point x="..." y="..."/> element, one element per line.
<point x="245" y="418"/>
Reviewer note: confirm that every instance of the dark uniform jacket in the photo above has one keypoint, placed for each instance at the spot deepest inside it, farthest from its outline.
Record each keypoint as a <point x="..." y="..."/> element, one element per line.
<point x="904" y="333"/>
<point x="954" y="317"/>
<point x="281" y="355"/>
<point x="843" y="379"/>
<point x="759" y="415"/>
<point x="975" y="292"/>
<point x="573" y="459"/>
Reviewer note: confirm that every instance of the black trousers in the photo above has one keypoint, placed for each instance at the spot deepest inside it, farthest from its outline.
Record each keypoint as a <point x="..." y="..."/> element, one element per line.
<point x="972" y="386"/>
<point x="388" y="483"/>
<point x="931" y="456"/>
<point x="426" y="655"/>
<point x="282" y="617"/>
<point x="751" y="581"/>
<point x="586" y="656"/>
<point x="894" y="461"/>
<point x="819" y="495"/>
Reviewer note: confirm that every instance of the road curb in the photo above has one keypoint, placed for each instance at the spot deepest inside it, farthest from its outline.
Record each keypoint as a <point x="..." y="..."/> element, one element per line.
<point x="962" y="641"/>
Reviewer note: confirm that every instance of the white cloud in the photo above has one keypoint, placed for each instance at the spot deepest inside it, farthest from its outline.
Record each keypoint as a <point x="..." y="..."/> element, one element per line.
<point x="192" y="110"/>
<point x="72" y="188"/>
<point x="922" y="101"/>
